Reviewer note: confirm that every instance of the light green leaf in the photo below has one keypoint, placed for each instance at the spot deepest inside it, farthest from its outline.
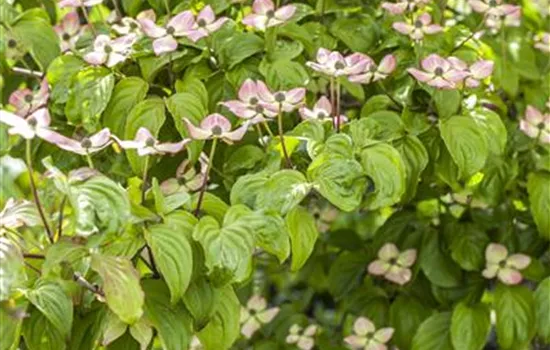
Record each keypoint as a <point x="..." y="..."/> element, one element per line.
<point x="10" y="328"/>
<point x="303" y="235"/>
<point x="416" y="158"/>
<point x="127" y="93"/>
<point x="470" y="326"/>
<point x="151" y="65"/>
<point x="283" y="74"/>
<point x="13" y="268"/>
<point x="434" y="333"/>
<point x="123" y="292"/>
<point x="60" y="74"/>
<point x="542" y="307"/>
<point x="194" y="86"/>
<point x="201" y="299"/>
<point x="239" y="47"/>
<point x="246" y="189"/>
<point x="374" y="104"/>
<point x="55" y="304"/>
<point x="538" y="187"/>
<point x="62" y="251"/>
<point x="493" y="127"/>
<point x="468" y="244"/>
<point x="272" y="235"/>
<point x="447" y="102"/>
<point x="142" y="332"/>
<point x="40" y="334"/>
<point x="223" y="329"/>
<point x="282" y="191"/>
<point x="243" y="158"/>
<point x="515" y="313"/>
<point x="358" y="33"/>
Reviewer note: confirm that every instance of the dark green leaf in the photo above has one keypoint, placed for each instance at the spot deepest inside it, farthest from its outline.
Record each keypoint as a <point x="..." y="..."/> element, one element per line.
<point x="515" y="313"/>
<point x="470" y="326"/>
<point x="434" y="333"/>
<point x="127" y="93"/>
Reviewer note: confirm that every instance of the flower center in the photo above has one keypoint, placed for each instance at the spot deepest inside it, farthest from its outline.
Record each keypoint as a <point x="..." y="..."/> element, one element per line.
<point x="259" y="109"/>
<point x="12" y="43"/>
<point x="321" y="115"/>
<point x="217" y="130"/>
<point x="108" y="49"/>
<point x="393" y="261"/>
<point x="493" y="3"/>
<point x="201" y="23"/>
<point x="418" y="24"/>
<point x="150" y="142"/>
<point x="541" y="125"/>
<point x="86" y="143"/>
<point x="66" y="37"/>
<point x="253" y="100"/>
<point x="372" y="68"/>
<point x="339" y="65"/>
<point x="170" y="30"/>
<point x="369" y="335"/>
<point x="438" y="71"/>
<point x="133" y="26"/>
<point x="279" y="97"/>
<point x="502" y="264"/>
<point x="270" y="14"/>
<point x="32" y="121"/>
<point x="28" y="98"/>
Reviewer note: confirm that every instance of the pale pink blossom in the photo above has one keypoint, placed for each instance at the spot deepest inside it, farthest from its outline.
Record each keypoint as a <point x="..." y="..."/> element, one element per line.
<point x="367" y="337"/>
<point x="165" y="38"/>
<point x="322" y="110"/>
<point x="26" y="101"/>
<point x="400" y="7"/>
<point x="536" y="125"/>
<point x="285" y="101"/>
<point x="216" y="126"/>
<point x="393" y="264"/>
<point x="249" y="105"/>
<point x="256" y="314"/>
<point x="334" y="64"/>
<point x="438" y="72"/>
<point x="506" y="15"/>
<point x="68" y="31"/>
<point x="490" y="7"/>
<point x="146" y="144"/>
<point x="36" y="124"/>
<point x="18" y="213"/>
<point x="78" y="3"/>
<point x="128" y="25"/>
<point x="374" y="73"/>
<point x="506" y="268"/>
<point x="264" y="15"/>
<point x="475" y="73"/>
<point x="420" y="27"/>
<point x="303" y="338"/>
<point x="542" y="42"/>
<point x="205" y="24"/>
<point x="110" y="52"/>
<point x="87" y="145"/>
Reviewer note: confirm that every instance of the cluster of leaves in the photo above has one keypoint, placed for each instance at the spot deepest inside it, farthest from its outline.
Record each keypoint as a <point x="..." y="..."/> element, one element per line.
<point x="408" y="208"/>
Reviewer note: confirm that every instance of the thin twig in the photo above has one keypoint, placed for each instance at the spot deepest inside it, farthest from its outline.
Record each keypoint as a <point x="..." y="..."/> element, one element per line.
<point x="27" y="72"/>
<point x="34" y="256"/>
<point x="33" y="268"/>
<point x="206" y="175"/>
<point x="60" y="221"/>
<point x="78" y="278"/>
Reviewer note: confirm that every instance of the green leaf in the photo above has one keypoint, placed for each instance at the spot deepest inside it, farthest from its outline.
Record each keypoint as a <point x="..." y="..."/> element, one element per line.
<point x="60" y="74"/>
<point x="55" y="304"/>
<point x="468" y="244"/>
<point x="127" y="93"/>
<point x="384" y="165"/>
<point x="341" y="181"/>
<point x="148" y="114"/>
<point x="10" y="328"/>
<point x="88" y="328"/>
<point x="345" y="273"/>
<point x="272" y="235"/>
<point x="13" y="268"/>
<point x="374" y="104"/>
<point x="142" y="332"/>
<point x="285" y="49"/>
<point x="506" y="76"/>
<point x="173" y="255"/>
<point x="538" y="187"/>
<point x="499" y="173"/>
<point x="416" y="158"/>
<point x="384" y="126"/>
<point x="63" y="251"/>
<point x="131" y="7"/>
<point x="303" y="235"/>
<point x="239" y="47"/>
<point x="447" y="102"/>
<point x="123" y="292"/>
<point x="466" y="143"/>
<point x="40" y="334"/>
<point x="201" y="299"/>
<point x="438" y="266"/>
<point x="169" y="203"/>
<point x="243" y="158"/>
<point x="493" y="127"/>
<point x="37" y="35"/>
<point x="246" y="189"/>
<point x="515" y="313"/>
<point x="172" y="322"/>
<point x="434" y="333"/>
<point x="89" y="95"/>
<point x="283" y="74"/>
<point x="406" y="315"/>
<point x="211" y="205"/>
<point x="194" y="86"/>
<point x="542" y="307"/>
<point x="151" y="65"/>
<point x="223" y="329"/>
<point x="359" y="34"/>
<point x="282" y="191"/>
<point x="470" y="326"/>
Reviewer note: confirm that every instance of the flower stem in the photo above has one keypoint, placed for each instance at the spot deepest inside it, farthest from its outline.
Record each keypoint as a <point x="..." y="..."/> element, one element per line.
<point x="338" y="106"/>
<point x="205" y="180"/>
<point x="282" y="136"/>
<point x="60" y="221"/>
<point x="35" y="192"/>
<point x="144" y="179"/>
<point x="90" y="161"/>
<point x="117" y="9"/>
<point x="85" y="13"/>
<point x="168" y="11"/>
<point x="383" y="88"/>
<point x="268" y="129"/>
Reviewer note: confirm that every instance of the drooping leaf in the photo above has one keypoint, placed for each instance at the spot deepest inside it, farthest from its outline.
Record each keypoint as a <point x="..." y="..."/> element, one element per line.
<point x="303" y="235"/>
<point x="406" y="315"/>
<point x="55" y="304"/>
<point x="13" y="268"/>
<point x="282" y="191"/>
<point x="538" y="187"/>
<point x="127" y="93"/>
<point x="201" y="299"/>
<point x="40" y="334"/>
<point x="515" y="313"/>
<point x="542" y="307"/>
<point x="434" y="333"/>
<point x="470" y="326"/>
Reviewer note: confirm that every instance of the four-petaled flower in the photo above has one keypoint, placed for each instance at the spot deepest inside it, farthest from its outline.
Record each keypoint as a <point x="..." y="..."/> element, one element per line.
<point x="401" y="6"/>
<point x="86" y="145"/>
<point x="78" y="3"/>
<point x="68" y="31"/>
<point x="438" y="72"/>
<point x="110" y="52"/>
<point x="322" y="110"/>
<point x="146" y="144"/>
<point x="392" y="264"/>
<point x="249" y="105"/>
<point x="508" y="15"/>
<point x="205" y="24"/>
<point x="542" y="42"/>
<point x="18" y="213"/>
<point x="421" y="26"/>
<point x="333" y="64"/>
<point x="264" y="15"/>
<point x="165" y="38"/>
<point x="366" y="336"/>
<point x="536" y="125"/>
<point x="255" y="314"/>
<point x="35" y="124"/>
<point x="216" y="126"/>
<point x="128" y="25"/>
<point x="505" y="268"/>
<point x="26" y="101"/>
<point x="285" y="101"/>
<point x="373" y="72"/>
<point x="303" y="338"/>
<point x="477" y="71"/>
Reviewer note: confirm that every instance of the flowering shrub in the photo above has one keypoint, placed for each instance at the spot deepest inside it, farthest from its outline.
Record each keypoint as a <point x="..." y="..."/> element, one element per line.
<point x="275" y="175"/>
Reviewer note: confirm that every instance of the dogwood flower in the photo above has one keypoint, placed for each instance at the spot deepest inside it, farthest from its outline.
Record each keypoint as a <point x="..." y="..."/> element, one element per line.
<point x="536" y="125"/>
<point x="35" y="124"/>
<point x="303" y="338"/>
<point x="205" y="24"/>
<point x="505" y="268"/>
<point x="366" y="337"/>
<point x="402" y="6"/>
<point x="373" y="72"/>
<point x="249" y="105"/>
<point x="490" y="7"/>
<point x="264" y="15"/>
<point x="128" y="25"/>
<point x="18" y="213"/>
<point x="86" y="145"/>
<point x="255" y="314"/>
<point x="542" y="42"/>
<point x="438" y="73"/>
<point x="68" y="31"/>
<point x="321" y="110"/>
<point x="25" y="101"/>
<point x="78" y="3"/>
<point x="333" y="64"/>
<point x="476" y="72"/>
<point x="165" y="38"/>
<point x="421" y="26"/>
<point x="146" y="144"/>
<point x="216" y="126"/>
<point x="110" y="52"/>
<point x="507" y="15"/>
<point x="286" y="101"/>
<point x="392" y="264"/>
